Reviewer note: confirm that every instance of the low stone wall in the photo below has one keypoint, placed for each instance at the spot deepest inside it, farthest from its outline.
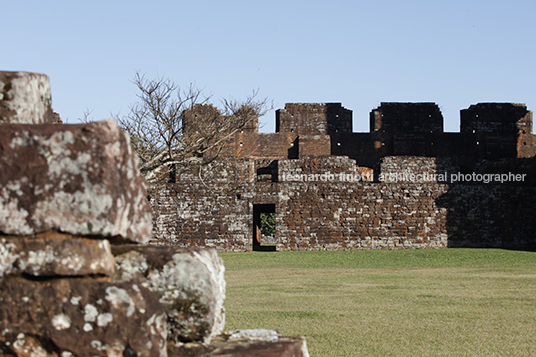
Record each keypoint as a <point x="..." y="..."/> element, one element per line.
<point x="394" y="169"/>
<point x="335" y="215"/>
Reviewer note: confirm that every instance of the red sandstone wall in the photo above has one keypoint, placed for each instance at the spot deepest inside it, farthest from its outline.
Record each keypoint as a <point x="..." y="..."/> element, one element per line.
<point x="193" y="215"/>
<point x="360" y="216"/>
<point x="488" y="131"/>
<point x="216" y="208"/>
<point x="335" y="216"/>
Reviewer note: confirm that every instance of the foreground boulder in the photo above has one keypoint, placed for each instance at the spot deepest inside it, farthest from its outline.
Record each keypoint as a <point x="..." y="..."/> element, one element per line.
<point x="66" y="193"/>
<point x="77" y="179"/>
<point x="188" y="282"/>
<point x="80" y="317"/>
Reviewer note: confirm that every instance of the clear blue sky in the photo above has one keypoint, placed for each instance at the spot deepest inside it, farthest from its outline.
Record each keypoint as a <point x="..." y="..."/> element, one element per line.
<point x="455" y="53"/>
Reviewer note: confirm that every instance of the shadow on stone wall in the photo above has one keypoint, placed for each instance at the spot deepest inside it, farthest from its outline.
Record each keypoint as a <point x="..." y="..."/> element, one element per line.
<point x="493" y="215"/>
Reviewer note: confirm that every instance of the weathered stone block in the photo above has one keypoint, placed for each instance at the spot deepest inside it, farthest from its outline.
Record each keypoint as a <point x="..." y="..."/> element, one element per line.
<point x="78" y="179"/>
<point x="189" y="283"/>
<point x="25" y="98"/>
<point x="54" y="254"/>
<point x="245" y="343"/>
<point x="80" y="317"/>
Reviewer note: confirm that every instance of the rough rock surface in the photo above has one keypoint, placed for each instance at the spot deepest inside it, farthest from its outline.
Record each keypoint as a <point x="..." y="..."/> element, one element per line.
<point x="54" y="254"/>
<point x="25" y="98"/>
<point x="75" y="317"/>
<point x="244" y="343"/>
<point x="78" y="179"/>
<point x="66" y="193"/>
<point x="189" y="283"/>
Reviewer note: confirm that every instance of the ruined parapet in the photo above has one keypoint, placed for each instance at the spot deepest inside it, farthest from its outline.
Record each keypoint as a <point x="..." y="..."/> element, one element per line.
<point x="314" y="145"/>
<point x="407" y="118"/>
<point x="502" y="119"/>
<point x="314" y="118"/>
<point x="501" y="129"/>
<point x="25" y="98"/>
<point x="405" y="129"/>
<point x="488" y="131"/>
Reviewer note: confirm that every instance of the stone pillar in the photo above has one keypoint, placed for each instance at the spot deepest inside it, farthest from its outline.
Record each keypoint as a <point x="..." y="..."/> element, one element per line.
<point x="25" y="98"/>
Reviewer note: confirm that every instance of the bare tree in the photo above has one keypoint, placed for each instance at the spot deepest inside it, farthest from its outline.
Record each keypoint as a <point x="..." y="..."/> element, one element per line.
<point x="173" y="128"/>
<point x="86" y="116"/>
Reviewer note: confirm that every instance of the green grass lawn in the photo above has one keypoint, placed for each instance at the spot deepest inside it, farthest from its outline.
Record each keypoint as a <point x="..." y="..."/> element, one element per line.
<point x="440" y="302"/>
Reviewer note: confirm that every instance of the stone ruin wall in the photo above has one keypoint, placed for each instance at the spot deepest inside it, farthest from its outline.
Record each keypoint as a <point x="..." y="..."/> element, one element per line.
<point x="337" y="216"/>
<point x="384" y="214"/>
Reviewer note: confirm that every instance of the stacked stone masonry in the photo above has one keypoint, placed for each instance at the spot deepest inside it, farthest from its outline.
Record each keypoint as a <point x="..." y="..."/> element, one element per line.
<point x="76" y="278"/>
<point x="405" y="184"/>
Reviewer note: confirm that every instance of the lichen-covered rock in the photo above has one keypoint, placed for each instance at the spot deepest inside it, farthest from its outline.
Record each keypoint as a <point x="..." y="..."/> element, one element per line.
<point x="28" y="346"/>
<point x="189" y="283"/>
<point x="54" y="254"/>
<point x="244" y="343"/>
<point x="81" y="317"/>
<point x="25" y="98"/>
<point x="77" y="179"/>
<point x="259" y="334"/>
